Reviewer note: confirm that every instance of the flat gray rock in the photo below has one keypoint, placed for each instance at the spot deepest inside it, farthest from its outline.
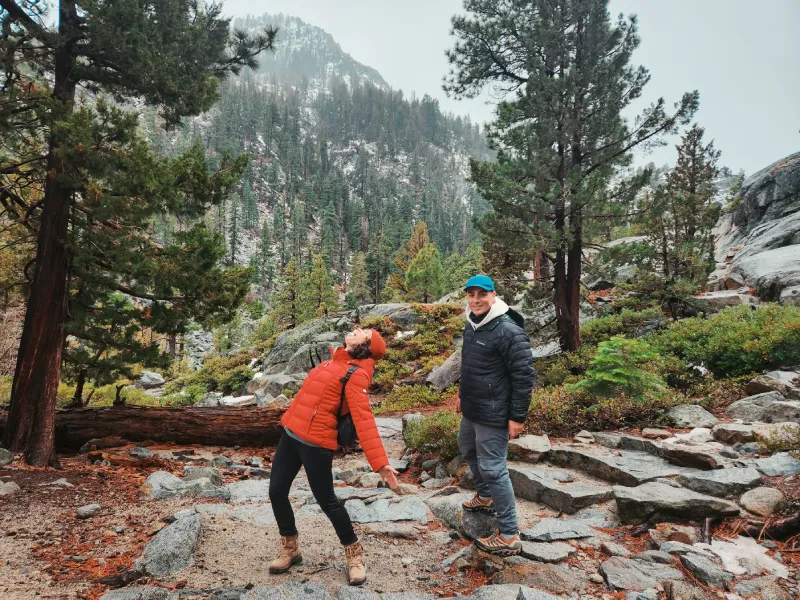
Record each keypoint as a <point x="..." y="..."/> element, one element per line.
<point x="139" y="452"/>
<point x="691" y="415"/>
<point x="778" y="465"/>
<point x="160" y="485"/>
<point x="210" y="473"/>
<point x="769" y="407"/>
<point x="389" y="427"/>
<point x="249" y="490"/>
<point x="629" y="468"/>
<point x="347" y="592"/>
<point x="449" y="510"/>
<point x="706" y="571"/>
<point x="530" y="448"/>
<point x="613" y="549"/>
<point x="172" y="548"/>
<point x="345" y="494"/>
<point x="383" y="510"/>
<point x="260" y="515"/>
<point x="784" y="382"/>
<point x="554" y="552"/>
<point x="636" y="505"/>
<point x="551" y="529"/>
<point x="554" y="488"/>
<point x="733" y="433"/>
<point x="655" y="556"/>
<point x="763" y="588"/>
<point x="291" y="590"/>
<point x="637" y="575"/>
<point x="138" y="592"/>
<point x="723" y="483"/>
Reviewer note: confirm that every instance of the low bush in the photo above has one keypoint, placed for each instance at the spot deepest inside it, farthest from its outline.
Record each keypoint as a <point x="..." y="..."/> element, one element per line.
<point x="406" y="397"/>
<point x="561" y="411"/>
<point x="219" y="373"/>
<point x="736" y="341"/>
<point x="629" y="323"/>
<point x="435" y="434"/>
<point x="105" y="395"/>
<point x="569" y="367"/>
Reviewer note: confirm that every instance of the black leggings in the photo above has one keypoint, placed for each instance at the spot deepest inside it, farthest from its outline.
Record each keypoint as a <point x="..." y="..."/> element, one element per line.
<point x="289" y="457"/>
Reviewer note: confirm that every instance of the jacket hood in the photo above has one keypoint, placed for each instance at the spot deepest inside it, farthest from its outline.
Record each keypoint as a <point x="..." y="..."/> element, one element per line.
<point x="499" y="308"/>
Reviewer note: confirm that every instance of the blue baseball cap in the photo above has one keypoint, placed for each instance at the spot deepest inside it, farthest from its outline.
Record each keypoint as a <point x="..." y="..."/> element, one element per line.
<point x="480" y="281"/>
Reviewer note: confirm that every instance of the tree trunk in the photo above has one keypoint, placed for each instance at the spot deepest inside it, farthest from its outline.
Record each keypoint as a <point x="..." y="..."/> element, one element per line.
<point x="172" y="344"/>
<point x="38" y="370"/>
<point x="118" y="399"/>
<point x="224" y="426"/>
<point x="77" y="397"/>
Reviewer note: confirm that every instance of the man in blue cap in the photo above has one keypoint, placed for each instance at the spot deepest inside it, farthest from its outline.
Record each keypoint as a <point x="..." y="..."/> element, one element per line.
<point x="495" y="393"/>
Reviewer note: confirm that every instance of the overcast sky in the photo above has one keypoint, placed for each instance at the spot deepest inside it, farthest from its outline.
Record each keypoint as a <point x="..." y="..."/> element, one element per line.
<point x="740" y="54"/>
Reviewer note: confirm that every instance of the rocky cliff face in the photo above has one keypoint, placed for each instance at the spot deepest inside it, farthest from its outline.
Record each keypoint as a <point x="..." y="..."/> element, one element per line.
<point x="758" y="243"/>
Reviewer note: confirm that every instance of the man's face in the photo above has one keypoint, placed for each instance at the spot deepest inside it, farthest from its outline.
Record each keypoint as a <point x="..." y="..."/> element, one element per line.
<point x="357" y="337"/>
<point x="480" y="300"/>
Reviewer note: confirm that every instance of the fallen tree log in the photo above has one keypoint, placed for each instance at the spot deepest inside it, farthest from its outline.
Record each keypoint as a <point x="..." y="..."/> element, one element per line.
<point x="253" y="426"/>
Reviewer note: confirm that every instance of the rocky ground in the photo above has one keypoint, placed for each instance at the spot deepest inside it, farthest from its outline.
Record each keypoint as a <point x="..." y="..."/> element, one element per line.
<point x="605" y="515"/>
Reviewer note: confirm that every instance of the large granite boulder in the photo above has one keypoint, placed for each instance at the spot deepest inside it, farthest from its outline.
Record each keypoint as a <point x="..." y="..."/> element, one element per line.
<point x="723" y="483"/>
<point x="787" y="383"/>
<point x="637" y="505"/>
<point x="172" y="548"/>
<point x="760" y="240"/>
<point x="149" y="380"/>
<point x="770" y="407"/>
<point x="312" y="334"/>
<point x="691" y="415"/>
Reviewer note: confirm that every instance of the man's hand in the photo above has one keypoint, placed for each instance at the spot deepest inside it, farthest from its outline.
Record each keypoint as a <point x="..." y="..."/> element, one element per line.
<point x="514" y="429"/>
<point x="388" y="476"/>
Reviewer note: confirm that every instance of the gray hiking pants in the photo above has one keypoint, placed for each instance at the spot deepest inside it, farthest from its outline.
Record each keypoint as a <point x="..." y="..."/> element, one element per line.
<point x="485" y="450"/>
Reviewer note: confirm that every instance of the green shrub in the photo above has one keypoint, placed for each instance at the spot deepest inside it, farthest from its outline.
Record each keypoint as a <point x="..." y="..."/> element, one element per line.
<point x="5" y="389"/>
<point x="435" y="434"/>
<point x="105" y="395"/>
<point x="786" y="438"/>
<point x="736" y="341"/>
<point x="623" y="367"/>
<point x="569" y="367"/>
<point x="226" y="374"/>
<point x="627" y="323"/>
<point x="407" y="397"/>
<point x="563" y="411"/>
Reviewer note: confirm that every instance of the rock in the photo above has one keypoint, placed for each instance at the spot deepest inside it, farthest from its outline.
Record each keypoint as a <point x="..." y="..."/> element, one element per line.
<point x="238" y="401"/>
<point x="507" y="592"/>
<point x="440" y="472"/>
<point x="430" y="464"/>
<point x="680" y="590"/>
<point x="450" y="512"/>
<point x="62" y="483"/>
<point x="584" y="437"/>
<point x="221" y="461"/>
<point x="160" y="485"/>
<point x="691" y="415"/>
<point x="172" y="548"/>
<point x="609" y="440"/>
<point x="596" y="578"/>
<point x="772" y="271"/>
<point x="249" y="490"/>
<point x="762" y="588"/>
<point x="148" y="380"/>
<point x="778" y="465"/>
<point x="769" y="407"/>
<point x="786" y="383"/>
<point x="655" y="556"/>
<point x="548" y="578"/>
<point x="613" y="549"/>
<point x="645" y="595"/>
<point x="552" y="487"/>
<point x="763" y="501"/>
<point x="713" y="302"/>
<point x="553" y="552"/>
<point x="276" y="384"/>
<point x="637" y="505"/>
<point x="291" y="590"/>
<point x="669" y="532"/>
<point x="733" y="433"/>
<point x="369" y="480"/>
<point x="210" y="473"/>
<point x="454" y="466"/>
<point x="389" y="427"/>
<point x="210" y="399"/>
<point x="433" y="484"/>
<point x="260" y="515"/>
<point x="139" y="452"/>
<point x="467" y="480"/>
<point x="137" y="592"/>
<point x="6" y="457"/>
<point x="382" y="510"/>
<point x="88" y="511"/>
<point x="706" y="571"/>
<point x="9" y="488"/>
<point x="777" y="433"/>
<point x="401" y="530"/>
<point x="626" y="468"/>
<point x="530" y="448"/>
<point x="446" y="375"/>
<point x="411" y="418"/>
<point x="262" y="398"/>
<point x="656" y="434"/>
<point x="724" y="483"/>
<point x="699" y="456"/>
<point x="350" y="593"/>
<point x="406" y="489"/>
<point x="791" y="295"/>
<point x="629" y="574"/>
<point x="551" y="529"/>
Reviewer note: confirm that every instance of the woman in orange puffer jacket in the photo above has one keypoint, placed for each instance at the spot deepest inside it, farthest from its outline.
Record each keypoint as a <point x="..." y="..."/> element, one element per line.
<point x="309" y="440"/>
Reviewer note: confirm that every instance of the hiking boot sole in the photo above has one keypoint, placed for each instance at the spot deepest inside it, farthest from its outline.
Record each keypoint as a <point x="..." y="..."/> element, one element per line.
<point x="356" y="582"/>
<point x="297" y="560"/>
<point x="499" y="551"/>
<point x="486" y="509"/>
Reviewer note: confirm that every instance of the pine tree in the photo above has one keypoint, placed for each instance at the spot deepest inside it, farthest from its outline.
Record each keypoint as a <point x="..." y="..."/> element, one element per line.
<point x="358" y="289"/>
<point x="265" y="259"/>
<point x="287" y="301"/>
<point x="234" y="225"/>
<point x="99" y="178"/>
<point x="460" y="267"/>
<point x="318" y="294"/>
<point x="419" y="239"/>
<point x="424" y="275"/>
<point x="559" y="134"/>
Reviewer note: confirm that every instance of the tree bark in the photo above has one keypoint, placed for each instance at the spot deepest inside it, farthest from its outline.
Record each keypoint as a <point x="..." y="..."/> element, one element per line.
<point x="38" y="369"/>
<point x="223" y="426"/>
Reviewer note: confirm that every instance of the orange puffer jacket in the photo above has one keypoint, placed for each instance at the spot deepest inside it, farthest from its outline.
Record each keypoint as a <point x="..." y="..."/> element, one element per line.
<point x="314" y="410"/>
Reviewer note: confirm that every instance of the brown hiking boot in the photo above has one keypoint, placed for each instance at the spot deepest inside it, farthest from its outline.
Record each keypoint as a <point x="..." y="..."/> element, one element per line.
<point x="356" y="571"/>
<point x="290" y="555"/>
<point x="478" y="505"/>
<point x="497" y="544"/>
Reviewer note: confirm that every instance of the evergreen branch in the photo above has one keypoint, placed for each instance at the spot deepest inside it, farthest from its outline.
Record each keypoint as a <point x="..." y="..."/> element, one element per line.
<point x="131" y="292"/>
<point x="13" y="168"/>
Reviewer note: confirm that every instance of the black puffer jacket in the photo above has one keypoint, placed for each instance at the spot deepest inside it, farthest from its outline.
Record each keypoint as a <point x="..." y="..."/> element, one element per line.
<point x="497" y="373"/>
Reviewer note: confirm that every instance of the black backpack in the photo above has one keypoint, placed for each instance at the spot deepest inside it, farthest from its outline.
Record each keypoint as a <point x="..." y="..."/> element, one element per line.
<point x="346" y="430"/>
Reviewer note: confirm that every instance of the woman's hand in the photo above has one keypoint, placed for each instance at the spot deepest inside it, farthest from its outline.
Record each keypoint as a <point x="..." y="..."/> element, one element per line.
<point x="388" y="476"/>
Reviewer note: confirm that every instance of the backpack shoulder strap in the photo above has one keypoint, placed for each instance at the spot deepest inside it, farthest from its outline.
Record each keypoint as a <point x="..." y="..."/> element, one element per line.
<point x="344" y="381"/>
